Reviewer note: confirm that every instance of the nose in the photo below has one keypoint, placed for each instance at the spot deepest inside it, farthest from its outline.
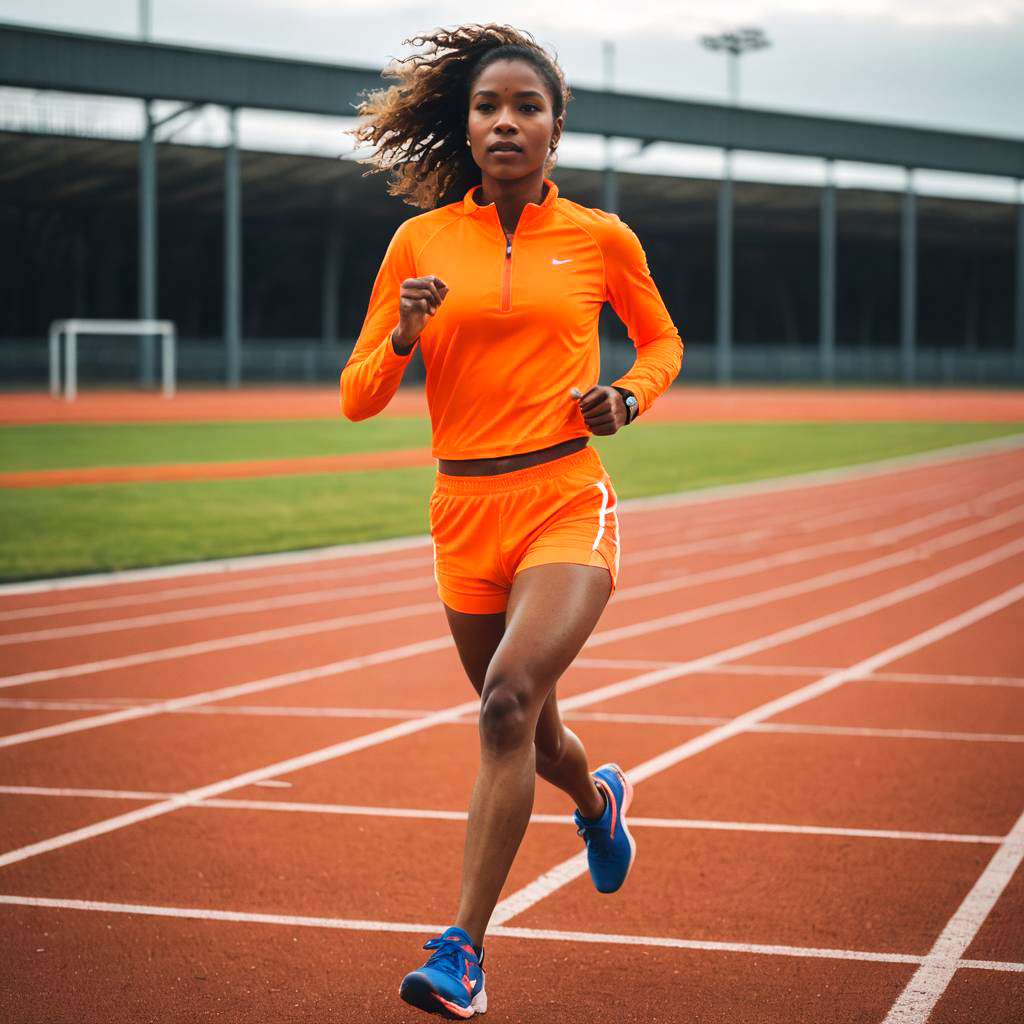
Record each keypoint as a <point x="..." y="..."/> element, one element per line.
<point x="506" y="125"/>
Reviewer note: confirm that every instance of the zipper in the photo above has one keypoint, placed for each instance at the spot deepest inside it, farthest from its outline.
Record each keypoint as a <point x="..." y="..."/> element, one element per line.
<point x="506" y="277"/>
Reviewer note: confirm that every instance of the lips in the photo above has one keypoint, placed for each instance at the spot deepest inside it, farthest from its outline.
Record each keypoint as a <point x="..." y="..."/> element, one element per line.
<point x="504" y="147"/>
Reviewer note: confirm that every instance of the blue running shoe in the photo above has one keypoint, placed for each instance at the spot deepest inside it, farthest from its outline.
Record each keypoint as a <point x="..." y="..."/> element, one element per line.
<point x="610" y="848"/>
<point x="451" y="982"/>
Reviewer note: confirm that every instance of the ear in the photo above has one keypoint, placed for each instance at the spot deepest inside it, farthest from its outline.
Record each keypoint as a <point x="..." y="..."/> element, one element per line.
<point x="556" y="132"/>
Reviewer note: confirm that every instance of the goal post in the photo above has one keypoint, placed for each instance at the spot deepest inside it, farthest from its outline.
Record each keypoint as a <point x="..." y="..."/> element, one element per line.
<point x="70" y="331"/>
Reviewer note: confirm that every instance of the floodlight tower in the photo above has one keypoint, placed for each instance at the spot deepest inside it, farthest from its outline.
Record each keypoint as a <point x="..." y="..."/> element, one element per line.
<point x="147" y="215"/>
<point x="734" y="44"/>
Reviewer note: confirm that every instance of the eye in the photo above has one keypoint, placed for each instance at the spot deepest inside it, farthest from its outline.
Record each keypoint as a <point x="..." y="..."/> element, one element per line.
<point x="483" y="106"/>
<point x="532" y="107"/>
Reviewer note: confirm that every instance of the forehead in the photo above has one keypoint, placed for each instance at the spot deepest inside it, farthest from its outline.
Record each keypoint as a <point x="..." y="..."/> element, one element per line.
<point x="510" y="76"/>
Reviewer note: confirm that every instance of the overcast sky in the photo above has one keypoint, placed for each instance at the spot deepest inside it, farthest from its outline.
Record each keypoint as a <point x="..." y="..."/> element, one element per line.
<point x="945" y="63"/>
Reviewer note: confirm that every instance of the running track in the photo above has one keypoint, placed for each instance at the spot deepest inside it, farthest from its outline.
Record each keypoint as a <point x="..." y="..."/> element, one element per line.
<point x="235" y="792"/>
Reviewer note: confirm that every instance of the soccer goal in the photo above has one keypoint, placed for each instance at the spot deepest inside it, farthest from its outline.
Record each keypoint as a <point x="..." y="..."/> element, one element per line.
<point x="70" y="330"/>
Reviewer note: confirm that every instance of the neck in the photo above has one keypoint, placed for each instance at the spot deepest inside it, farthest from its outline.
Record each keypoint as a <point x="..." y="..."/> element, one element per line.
<point x="510" y="197"/>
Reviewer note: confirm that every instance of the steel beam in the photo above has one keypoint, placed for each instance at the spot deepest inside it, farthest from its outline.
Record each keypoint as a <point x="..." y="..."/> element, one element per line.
<point x="1018" y="327"/>
<point x="908" y="280"/>
<point x="723" y="304"/>
<point x="147" y="243"/>
<point x="34" y="58"/>
<point x="827" y="283"/>
<point x="233" y="254"/>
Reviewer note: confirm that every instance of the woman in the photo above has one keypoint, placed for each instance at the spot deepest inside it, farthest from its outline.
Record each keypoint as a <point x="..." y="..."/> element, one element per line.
<point x="501" y="284"/>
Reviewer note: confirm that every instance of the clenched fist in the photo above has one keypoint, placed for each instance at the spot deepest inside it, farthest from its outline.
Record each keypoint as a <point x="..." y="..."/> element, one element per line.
<point x="603" y="408"/>
<point x="419" y="299"/>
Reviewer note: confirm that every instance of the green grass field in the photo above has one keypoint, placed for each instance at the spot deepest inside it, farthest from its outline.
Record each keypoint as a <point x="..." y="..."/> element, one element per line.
<point x="62" y="530"/>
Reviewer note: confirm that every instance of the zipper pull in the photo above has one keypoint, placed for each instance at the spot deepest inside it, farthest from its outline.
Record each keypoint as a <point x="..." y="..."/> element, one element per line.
<point x="508" y="249"/>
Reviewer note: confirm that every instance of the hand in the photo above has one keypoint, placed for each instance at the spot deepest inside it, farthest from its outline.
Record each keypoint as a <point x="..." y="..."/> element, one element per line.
<point x="418" y="300"/>
<point x="603" y="408"/>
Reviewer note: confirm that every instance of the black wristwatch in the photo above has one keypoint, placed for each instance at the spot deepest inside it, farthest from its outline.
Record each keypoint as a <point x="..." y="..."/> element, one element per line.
<point x="631" y="403"/>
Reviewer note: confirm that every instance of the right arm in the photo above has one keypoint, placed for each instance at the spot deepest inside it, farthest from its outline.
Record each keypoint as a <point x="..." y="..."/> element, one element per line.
<point x="400" y="305"/>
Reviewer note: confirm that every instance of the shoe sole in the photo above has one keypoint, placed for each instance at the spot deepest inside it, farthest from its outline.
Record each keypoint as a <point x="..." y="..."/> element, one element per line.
<point x="418" y="993"/>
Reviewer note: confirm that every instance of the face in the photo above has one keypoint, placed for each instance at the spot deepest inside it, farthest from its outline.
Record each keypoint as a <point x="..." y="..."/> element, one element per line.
<point x="511" y="121"/>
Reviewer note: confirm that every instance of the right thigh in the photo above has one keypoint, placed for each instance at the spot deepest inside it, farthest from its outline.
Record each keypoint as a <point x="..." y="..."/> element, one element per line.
<point x="476" y="639"/>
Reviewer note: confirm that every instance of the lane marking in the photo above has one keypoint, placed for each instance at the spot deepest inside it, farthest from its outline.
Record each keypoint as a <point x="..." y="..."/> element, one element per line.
<point x="575" y="866"/>
<point x="207" y="612"/>
<point x="857" y="571"/>
<point x="890" y="534"/>
<point x="627" y="718"/>
<point x="453" y="713"/>
<point x="813" y="670"/>
<point x="936" y="457"/>
<point x="547" y="935"/>
<point x="561" y="820"/>
<point x="932" y="978"/>
<point x="412" y="650"/>
<point x="263" y="636"/>
<point x="274" y="582"/>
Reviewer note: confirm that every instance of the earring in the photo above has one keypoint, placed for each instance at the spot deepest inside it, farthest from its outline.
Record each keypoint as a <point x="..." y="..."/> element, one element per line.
<point x="468" y="143"/>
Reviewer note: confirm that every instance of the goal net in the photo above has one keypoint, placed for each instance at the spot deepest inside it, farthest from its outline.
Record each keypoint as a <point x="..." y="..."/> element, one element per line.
<point x="71" y="330"/>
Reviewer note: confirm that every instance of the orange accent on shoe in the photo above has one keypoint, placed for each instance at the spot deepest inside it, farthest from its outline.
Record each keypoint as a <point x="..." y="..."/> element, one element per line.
<point x="611" y="803"/>
<point x="460" y="1011"/>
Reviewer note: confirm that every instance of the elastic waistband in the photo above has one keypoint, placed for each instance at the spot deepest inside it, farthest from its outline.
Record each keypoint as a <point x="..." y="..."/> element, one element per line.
<point x="448" y="484"/>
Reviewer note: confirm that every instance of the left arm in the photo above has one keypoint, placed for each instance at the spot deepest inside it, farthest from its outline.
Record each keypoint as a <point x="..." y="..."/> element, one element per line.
<point x="635" y="298"/>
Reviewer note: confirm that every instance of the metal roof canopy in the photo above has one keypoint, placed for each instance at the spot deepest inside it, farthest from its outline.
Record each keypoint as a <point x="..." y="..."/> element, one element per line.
<point x="42" y="59"/>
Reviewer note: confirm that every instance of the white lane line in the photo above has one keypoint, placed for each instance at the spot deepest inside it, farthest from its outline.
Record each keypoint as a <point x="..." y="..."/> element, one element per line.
<point x="815" y="478"/>
<point x="228" y="692"/>
<point x="857" y="571"/>
<point x="800" y="587"/>
<point x="193" y="796"/>
<point x="626" y="718"/>
<point x="896" y="734"/>
<point x="932" y="978"/>
<point x="945" y="680"/>
<point x="569" y="870"/>
<point x="561" y="820"/>
<point x="378" y="568"/>
<point x="907" y="554"/>
<point x="453" y="714"/>
<point x="547" y="935"/>
<point x="206" y="612"/>
<point x="887" y="535"/>
<point x="263" y="636"/>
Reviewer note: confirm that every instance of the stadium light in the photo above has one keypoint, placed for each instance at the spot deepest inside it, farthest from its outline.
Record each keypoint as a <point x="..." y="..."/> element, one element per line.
<point x="735" y="44"/>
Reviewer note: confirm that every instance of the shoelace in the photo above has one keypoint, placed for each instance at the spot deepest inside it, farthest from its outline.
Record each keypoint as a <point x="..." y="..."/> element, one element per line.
<point x="449" y="954"/>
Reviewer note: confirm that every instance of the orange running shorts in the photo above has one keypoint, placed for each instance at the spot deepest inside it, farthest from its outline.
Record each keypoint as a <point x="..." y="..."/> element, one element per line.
<point x="488" y="528"/>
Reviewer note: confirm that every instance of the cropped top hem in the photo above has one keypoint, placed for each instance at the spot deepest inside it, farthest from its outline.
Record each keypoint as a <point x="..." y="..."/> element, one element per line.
<point x="534" y="444"/>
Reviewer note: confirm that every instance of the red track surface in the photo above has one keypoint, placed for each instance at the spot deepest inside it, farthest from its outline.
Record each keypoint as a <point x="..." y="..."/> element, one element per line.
<point x="690" y="404"/>
<point x="818" y="690"/>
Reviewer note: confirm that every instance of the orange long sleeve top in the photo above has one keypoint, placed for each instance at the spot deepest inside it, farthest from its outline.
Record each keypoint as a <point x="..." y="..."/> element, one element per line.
<point x="518" y="327"/>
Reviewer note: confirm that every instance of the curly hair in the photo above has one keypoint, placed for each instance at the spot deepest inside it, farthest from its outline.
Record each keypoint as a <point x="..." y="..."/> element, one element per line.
<point x="419" y="125"/>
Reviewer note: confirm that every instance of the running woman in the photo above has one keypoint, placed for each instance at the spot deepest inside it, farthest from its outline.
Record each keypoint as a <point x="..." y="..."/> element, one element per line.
<point x="501" y="284"/>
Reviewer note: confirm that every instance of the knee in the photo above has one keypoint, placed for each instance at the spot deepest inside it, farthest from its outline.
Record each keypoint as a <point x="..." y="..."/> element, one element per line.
<point x="506" y="715"/>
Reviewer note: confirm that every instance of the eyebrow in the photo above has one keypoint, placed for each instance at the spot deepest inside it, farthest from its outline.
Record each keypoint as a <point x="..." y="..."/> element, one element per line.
<point x="524" y="92"/>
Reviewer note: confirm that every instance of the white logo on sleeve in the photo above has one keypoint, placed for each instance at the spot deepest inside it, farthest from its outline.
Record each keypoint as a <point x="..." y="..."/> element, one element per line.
<point x="558" y="263"/>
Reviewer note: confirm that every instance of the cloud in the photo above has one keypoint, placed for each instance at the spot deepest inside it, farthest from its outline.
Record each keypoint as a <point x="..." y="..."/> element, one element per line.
<point x="670" y="17"/>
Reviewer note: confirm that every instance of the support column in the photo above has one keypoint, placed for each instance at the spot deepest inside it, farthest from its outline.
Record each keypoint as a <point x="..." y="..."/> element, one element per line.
<point x="147" y="243"/>
<point x="908" y="281"/>
<point x="610" y="179"/>
<point x="723" y="309"/>
<point x="827" y="288"/>
<point x="233" y="254"/>
<point x="1018" y="324"/>
<point x="329" y="285"/>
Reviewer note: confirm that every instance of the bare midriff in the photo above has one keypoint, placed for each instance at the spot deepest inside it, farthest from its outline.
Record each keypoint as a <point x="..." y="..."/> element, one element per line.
<point x="510" y="463"/>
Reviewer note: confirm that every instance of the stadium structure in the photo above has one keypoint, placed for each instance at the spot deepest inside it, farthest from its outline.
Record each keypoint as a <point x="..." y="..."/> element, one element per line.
<point x="264" y="260"/>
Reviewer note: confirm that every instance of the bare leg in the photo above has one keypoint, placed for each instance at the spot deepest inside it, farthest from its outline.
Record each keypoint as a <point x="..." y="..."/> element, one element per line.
<point x="561" y="759"/>
<point x="552" y="611"/>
